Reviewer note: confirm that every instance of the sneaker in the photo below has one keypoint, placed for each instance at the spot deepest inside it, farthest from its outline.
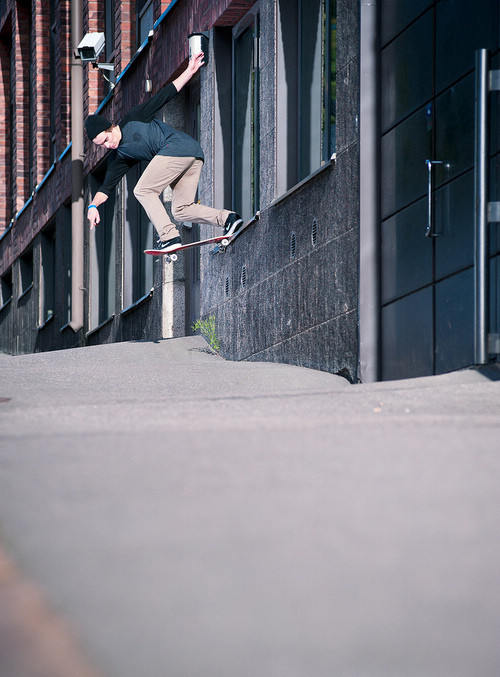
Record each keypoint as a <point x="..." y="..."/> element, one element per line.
<point x="233" y="224"/>
<point x="168" y="244"/>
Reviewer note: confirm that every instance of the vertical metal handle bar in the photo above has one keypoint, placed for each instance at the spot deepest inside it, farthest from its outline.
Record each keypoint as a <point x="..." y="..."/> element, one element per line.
<point x="430" y="212"/>
<point x="481" y="209"/>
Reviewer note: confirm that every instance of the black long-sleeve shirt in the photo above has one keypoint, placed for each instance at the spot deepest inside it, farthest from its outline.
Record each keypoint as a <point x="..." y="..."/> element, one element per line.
<point x="144" y="137"/>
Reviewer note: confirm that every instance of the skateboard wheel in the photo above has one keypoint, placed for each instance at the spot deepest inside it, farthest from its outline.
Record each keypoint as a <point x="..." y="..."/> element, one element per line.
<point x="173" y="257"/>
<point x="224" y="242"/>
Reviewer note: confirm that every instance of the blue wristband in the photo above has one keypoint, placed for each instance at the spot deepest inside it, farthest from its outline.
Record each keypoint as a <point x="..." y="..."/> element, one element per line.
<point x="90" y="206"/>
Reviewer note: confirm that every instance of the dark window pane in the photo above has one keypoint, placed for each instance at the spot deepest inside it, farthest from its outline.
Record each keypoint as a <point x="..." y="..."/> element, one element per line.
<point x="310" y="100"/>
<point x="403" y="171"/>
<point x="406" y="76"/>
<point x="406" y="252"/>
<point x="396" y="15"/>
<point x="454" y="221"/>
<point x="407" y="337"/>
<point x="455" y="322"/>
<point x="455" y="129"/>
<point x="245" y="121"/>
<point x="462" y="27"/>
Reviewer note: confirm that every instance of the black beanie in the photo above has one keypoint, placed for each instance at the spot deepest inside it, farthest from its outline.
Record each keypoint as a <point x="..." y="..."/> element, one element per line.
<point x="95" y="124"/>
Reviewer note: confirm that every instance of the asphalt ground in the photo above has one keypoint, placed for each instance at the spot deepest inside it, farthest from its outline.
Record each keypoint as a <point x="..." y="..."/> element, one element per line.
<point x="168" y="513"/>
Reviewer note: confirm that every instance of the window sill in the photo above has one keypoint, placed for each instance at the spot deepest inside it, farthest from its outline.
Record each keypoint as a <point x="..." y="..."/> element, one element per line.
<point x="134" y="305"/>
<point x="25" y="293"/>
<point x="45" y="322"/>
<point x="304" y="182"/>
<point x="100" y="326"/>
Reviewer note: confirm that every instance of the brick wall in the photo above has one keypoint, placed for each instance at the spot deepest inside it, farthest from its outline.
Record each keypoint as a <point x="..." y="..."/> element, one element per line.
<point x="33" y="192"/>
<point x="25" y="144"/>
<point x="5" y="126"/>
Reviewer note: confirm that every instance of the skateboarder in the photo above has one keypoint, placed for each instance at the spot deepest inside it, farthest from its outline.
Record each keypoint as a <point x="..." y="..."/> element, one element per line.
<point x="175" y="159"/>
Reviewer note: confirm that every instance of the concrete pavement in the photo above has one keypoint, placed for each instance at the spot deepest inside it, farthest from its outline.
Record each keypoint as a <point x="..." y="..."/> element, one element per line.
<point x="166" y="513"/>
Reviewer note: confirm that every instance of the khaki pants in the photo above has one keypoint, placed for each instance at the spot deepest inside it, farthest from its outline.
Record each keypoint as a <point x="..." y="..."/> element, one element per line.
<point x="182" y="174"/>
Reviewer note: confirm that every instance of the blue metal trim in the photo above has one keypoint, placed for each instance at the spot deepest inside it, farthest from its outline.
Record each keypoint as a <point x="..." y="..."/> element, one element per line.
<point x="65" y="151"/>
<point x="38" y="186"/>
<point x="7" y="229"/>
<point x="160" y="19"/>
<point x="30" y="199"/>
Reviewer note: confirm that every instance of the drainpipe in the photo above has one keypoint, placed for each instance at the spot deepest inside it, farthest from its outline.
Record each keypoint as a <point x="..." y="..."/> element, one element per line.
<point x="369" y="292"/>
<point x="77" y="216"/>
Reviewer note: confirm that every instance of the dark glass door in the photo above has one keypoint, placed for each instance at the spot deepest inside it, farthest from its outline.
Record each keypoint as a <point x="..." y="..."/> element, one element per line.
<point x="427" y="182"/>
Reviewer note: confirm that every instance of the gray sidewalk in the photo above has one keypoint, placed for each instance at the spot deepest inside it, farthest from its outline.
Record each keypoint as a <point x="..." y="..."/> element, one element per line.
<point x="173" y="514"/>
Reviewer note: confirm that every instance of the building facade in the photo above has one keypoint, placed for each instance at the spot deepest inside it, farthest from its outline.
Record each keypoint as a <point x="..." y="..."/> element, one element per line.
<point x="347" y="134"/>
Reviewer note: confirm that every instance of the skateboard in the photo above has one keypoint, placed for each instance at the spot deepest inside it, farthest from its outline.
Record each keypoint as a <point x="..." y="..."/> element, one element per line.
<point x="171" y="255"/>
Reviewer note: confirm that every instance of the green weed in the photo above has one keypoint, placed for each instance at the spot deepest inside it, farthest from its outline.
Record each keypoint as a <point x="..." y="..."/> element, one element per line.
<point x="208" y="331"/>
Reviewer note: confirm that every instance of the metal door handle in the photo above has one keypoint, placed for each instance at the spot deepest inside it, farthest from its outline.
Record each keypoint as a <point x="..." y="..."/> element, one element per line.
<point x="430" y="212"/>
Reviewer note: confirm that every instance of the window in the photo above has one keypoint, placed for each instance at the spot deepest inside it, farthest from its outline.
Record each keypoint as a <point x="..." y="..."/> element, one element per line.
<point x="31" y="114"/>
<point x="103" y="265"/>
<point x="306" y="88"/>
<point x="10" y="139"/>
<point x="65" y="240"/>
<point x="109" y="28"/>
<point x="5" y="289"/>
<point x="144" y="19"/>
<point x="48" y="276"/>
<point x="25" y="272"/>
<point x="246" y="117"/>
<point x="109" y="43"/>
<point x="23" y="105"/>
<point x="6" y="120"/>
<point x="236" y="116"/>
<point x="138" y="236"/>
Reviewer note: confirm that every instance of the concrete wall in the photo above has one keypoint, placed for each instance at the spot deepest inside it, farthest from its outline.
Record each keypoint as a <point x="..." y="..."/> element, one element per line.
<point x="300" y="306"/>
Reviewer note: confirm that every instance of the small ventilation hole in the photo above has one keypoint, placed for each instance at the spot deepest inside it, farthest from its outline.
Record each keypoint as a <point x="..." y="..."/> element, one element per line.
<point x="244" y="276"/>
<point x="226" y="287"/>
<point x="293" y="246"/>
<point x="314" y="232"/>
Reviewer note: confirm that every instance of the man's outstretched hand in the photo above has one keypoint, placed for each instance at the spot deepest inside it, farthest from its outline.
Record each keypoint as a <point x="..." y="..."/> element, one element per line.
<point x="194" y="65"/>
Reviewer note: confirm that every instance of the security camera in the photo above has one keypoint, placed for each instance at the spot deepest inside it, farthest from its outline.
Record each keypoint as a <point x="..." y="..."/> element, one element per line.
<point x="91" y="46"/>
